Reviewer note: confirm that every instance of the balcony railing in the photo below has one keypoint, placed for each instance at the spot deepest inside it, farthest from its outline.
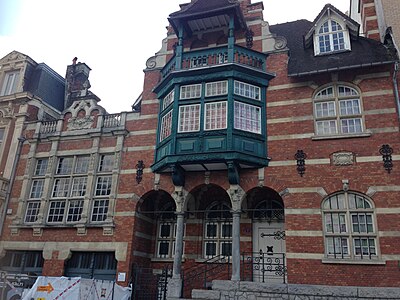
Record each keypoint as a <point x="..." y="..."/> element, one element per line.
<point x="48" y="127"/>
<point x="3" y="187"/>
<point x="216" y="56"/>
<point x="112" y="120"/>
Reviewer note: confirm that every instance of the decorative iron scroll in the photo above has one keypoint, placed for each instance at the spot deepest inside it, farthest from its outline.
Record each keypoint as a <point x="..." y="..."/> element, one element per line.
<point x="264" y="266"/>
<point x="139" y="171"/>
<point x="300" y="157"/>
<point x="386" y="151"/>
<point x="278" y="235"/>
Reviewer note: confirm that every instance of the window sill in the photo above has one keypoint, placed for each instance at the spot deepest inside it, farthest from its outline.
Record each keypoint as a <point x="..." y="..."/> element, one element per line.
<point x="158" y="259"/>
<point x="354" y="261"/>
<point x="341" y="136"/>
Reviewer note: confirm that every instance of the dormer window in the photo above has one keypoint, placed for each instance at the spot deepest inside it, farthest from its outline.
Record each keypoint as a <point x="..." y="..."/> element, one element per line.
<point x="330" y="37"/>
<point x="10" y="82"/>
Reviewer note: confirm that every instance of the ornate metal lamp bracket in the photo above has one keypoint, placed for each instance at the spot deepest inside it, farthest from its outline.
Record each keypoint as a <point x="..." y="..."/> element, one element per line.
<point x="139" y="171"/>
<point x="300" y="157"/>
<point x="386" y="151"/>
<point x="249" y="38"/>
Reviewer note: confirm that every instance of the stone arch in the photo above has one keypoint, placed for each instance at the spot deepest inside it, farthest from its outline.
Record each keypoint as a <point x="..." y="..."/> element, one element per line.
<point x="264" y="203"/>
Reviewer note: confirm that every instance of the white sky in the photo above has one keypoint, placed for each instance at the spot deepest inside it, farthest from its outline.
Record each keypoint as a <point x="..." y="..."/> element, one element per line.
<point x="114" y="38"/>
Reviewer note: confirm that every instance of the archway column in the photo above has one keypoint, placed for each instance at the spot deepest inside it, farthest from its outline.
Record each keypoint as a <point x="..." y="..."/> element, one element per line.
<point x="236" y="246"/>
<point x="176" y="271"/>
<point x="236" y="194"/>
<point x="175" y="283"/>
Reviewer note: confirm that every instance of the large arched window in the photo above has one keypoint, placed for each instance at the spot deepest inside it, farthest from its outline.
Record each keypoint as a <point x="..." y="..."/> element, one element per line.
<point x="218" y="231"/>
<point x="338" y="111"/>
<point x="349" y="227"/>
<point x="331" y="37"/>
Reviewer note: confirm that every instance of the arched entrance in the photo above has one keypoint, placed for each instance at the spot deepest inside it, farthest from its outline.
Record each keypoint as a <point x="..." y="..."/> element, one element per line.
<point x="264" y="206"/>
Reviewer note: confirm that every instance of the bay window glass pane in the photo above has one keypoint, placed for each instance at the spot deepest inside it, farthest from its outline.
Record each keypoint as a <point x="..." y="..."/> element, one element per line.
<point x="215" y="118"/>
<point x="216" y="88"/>
<point x="247" y="90"/>
<point x="189" y="118"/>
<point x="247" y="117"/>
<point x="190" y="91"/>
<point x="166" y="124"/>
<point x="168" y="99"/>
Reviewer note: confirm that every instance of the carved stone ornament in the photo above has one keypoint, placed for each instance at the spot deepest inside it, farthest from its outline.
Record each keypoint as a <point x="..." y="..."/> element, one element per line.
<point x="343" y="158"/>
<point x="151" y="63"/>
<point x="280" y="43"/>
<point x="80" y="123"/>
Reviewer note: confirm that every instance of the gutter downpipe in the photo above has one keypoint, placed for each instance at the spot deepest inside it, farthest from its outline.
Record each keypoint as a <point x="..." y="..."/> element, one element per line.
<point x="396" y="88"/>
<point x="21" y="141"/>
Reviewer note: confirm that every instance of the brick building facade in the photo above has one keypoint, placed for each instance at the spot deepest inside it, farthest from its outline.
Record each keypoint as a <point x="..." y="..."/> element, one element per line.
<point x="248" y="142"/>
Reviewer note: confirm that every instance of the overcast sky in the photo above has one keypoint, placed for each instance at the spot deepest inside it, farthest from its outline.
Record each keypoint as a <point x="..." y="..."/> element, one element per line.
<point x="114" y="38"/>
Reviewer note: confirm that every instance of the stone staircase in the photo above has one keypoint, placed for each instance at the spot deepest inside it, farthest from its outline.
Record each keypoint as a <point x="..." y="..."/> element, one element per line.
<point x="230" y="290"/>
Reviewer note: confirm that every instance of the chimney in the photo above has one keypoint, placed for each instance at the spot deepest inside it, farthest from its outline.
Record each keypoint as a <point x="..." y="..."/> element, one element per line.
<point x="76" y="82"/>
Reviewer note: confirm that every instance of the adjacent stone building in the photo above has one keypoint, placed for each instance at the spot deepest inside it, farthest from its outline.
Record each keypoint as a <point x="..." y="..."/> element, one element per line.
<point x="254" y="153"/>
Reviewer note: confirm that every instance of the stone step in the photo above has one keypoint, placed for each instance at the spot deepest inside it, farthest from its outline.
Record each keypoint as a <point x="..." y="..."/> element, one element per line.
<point x="206" y="294"/>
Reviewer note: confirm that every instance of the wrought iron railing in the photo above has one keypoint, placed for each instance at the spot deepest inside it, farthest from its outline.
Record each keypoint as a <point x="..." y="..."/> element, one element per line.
<point x="201" y="275"/>
<point x="146" y="285"/>
<point x="217" y="56"/>
<point x="3" y="186"/>
<point x="48" y="126"/>
<point x="112" y="120"/>
<point x="262" y="266"/>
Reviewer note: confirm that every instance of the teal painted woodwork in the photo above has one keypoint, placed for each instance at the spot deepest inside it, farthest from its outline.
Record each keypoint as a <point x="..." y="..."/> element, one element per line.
<point x="227" y="148"/>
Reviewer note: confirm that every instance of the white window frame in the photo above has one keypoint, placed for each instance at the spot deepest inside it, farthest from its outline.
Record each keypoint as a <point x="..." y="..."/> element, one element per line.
<point x="70" y="186"/>
<point x="189" y="118"/>
<point x="10" y="83"/>
<point x="335" y="122"/>
<point x="245" y="122"/>
<point x="247" y="90"/>
<point x="216" y="115"/>
<point x="100" y="209"/>
<point x="168" y="99"/>
<point x="330" y="34"/>
<point x="216" y="88"/>
<point x="32" y="211"/>
<point x="341" y="233"/>
<point x="191" y="91"/>
<point x="166" y="126"/>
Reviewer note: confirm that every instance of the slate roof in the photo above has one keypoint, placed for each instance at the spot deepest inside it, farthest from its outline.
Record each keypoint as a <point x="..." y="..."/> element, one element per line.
<point x="364" y="52"/>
